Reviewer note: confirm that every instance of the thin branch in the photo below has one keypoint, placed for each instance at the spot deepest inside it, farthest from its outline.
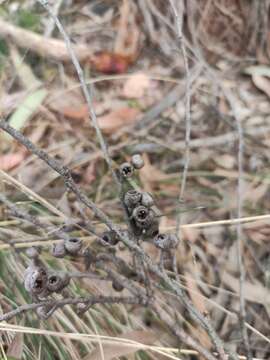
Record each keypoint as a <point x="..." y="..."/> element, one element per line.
<point x="86" y="90"/>
<point x="51" y="48"/>
<point x="124" y="236"/>
<point x="63" y="171"/>
<point x="241" y="267"/>
<point x="240" y="241"/>
<point x="179" y="30"/>
<point x="71" y="301"/>
<point x="180" y="333"/>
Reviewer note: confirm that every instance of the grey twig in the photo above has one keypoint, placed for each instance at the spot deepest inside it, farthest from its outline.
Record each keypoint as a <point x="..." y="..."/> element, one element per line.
<point x="86" y="90"/>
<point x="72" y="301"/>
<point x="218" y="140"/>
<point x="51" y="24"/>
<point x="63" y="171"/>
<point x="179" y="29"/>
<point x="180" y="333"/>
<point x="241" y="267"/>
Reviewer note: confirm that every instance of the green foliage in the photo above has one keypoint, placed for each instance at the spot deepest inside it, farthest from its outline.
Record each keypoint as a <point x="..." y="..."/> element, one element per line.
<point x="3" y="54"/>
<point x="3" y="48"/>
<point x="28" y="19"/>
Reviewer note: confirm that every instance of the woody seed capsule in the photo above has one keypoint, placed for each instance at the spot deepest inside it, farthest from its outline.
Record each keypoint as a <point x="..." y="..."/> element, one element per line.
<point x="147" y="200"/>
<point x="137" y="161"/>
<point x="132" y="198"/>
<point x="110" y="237"/>
<point x="59" y="250"/>
<point x="117" y="286"/>
<point x="73" y="245"/>
<point x="166" y="241"/>
<point x="126" y="170"/>
<point x="56" y="282"/>
<point x="143" y="217"/>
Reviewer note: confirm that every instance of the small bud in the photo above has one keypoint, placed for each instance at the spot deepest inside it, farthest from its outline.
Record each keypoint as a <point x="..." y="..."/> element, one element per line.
<point x="166" y="241"/>
<point x="147" y="200"/>
<point x="143" y="217"/>
<point x="59" y="250"/>
<point x="117" y="286"/>
<point x="73" y="245"/>
<point x="126" y="170"/>
<point x="110" y="237"/>
<point x="88" y="258"/>
<point x="132" y="198"/>
<point x="57" y="282"/>
<point x="82" y="307"/>
<point x="137" y="161"/>
<point x="33" y="252"/>
<point x="44" y="312"/>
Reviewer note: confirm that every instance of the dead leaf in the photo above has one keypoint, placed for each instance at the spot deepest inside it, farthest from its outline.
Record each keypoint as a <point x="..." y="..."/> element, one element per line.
<point x="199" y="303"/>
<point x="111" y="63"/>
<point x="262" y="83"/>
<point x="10" y="161"/>
<point x="252" y="292"/>
<point x="90" y="173"/>
<point x="118" y="118"/>
<point x="226" y="161"/>
<point x="255" y="193"/>
<point x="112" y="351"/>
<point x="191" y="234"/>
<point x="15" y="349"/>
<point x="128" y="32"/>
<point x="71" y="104"/>
<point x="136" y="85"/>
<point x="149" y="175"/>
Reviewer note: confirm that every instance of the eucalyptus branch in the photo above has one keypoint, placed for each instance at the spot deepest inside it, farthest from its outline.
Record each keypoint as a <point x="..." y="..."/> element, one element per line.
<point x="123" y="236"/>
<point x="92" y="300"/>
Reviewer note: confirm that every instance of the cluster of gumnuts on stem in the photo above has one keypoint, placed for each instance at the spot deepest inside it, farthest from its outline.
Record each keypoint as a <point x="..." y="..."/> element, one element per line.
<point x="143" y="217"/>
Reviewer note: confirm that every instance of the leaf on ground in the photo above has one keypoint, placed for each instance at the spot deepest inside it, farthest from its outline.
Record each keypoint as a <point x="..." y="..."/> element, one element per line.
<point x="262" y="83"/>
<point x="136" y="86"/>
<point x="111" y="63"/>
<point x="24" y="71"/>
<point x="26" y="109"/>
<point x="9" y="102"/>
<point x="10" y="161"/>
<point x="226" y="161"/>
<point x="112" y="351"/>
<point x="199" y="303"/>
<point x="71" y="104"/>
<point x="118" y="118"/>
<point x="260" y="70"/>
<point x="255" y="193"/>
<point x="90" y="173"/>
<point x="15" y="349"/>
<point x="150" y="175"/>
<point x="252" y="292"/>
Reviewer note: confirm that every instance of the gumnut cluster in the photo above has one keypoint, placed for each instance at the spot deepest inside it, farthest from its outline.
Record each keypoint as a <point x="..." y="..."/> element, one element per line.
<point x="70" y="246"/>
<point x="41" y="282"/>
<point x="142" y="211"/>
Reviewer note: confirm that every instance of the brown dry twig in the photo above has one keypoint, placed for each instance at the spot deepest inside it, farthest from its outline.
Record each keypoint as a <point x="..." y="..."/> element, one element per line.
<point x="47" y="47"/>
<point x="91" y="300"/>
